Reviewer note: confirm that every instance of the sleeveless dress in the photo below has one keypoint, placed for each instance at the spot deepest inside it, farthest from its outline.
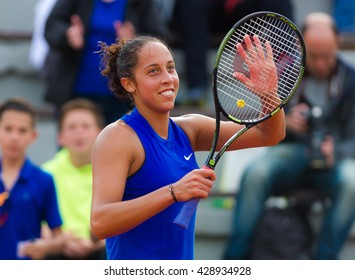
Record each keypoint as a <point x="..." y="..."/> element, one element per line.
<point x="166" y="161"/>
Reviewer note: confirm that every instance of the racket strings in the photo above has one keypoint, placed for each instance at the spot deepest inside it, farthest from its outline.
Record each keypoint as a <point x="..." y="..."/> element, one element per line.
<point x="250" y="100"/>
<point x="281" y="65"/>
<point x="282" y="38"/>
<point x="281" y="44"/>
<point x="287" y="54"/>
<point x="258" y="105"/>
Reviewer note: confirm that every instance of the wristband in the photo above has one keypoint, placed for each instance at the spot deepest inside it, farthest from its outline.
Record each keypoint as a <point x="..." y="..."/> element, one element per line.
<point x="171" y="189"/>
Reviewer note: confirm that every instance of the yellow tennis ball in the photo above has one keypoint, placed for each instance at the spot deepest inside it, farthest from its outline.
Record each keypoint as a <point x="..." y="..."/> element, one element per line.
<point x="240" y="103"/>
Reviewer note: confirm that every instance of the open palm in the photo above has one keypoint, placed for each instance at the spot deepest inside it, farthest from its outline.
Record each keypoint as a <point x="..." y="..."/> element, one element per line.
<point x="262" y="76"/>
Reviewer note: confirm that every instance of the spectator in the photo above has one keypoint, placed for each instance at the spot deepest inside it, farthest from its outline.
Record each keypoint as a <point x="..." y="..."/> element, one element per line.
<point x="139" y="168"/>
<point x="73" y="30"/>
<point x="27" y="193"/>
<point x="79" y="123"/>
<point x="329" y="87"/>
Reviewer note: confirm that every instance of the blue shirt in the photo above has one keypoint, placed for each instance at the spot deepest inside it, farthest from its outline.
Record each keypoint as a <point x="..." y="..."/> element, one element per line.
<point x="166" y="161"/>
<point x="31" y="200"/>
<point x="89" y="80"/>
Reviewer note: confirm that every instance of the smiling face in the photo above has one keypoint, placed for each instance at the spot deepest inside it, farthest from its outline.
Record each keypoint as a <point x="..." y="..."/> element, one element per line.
<point x="156" y="82"/>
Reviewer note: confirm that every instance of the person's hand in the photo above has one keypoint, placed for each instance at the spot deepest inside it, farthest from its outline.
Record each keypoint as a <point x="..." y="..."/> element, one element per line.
<point x="195" y="184"/>
<point x="124" y="30"/>
<point x="297" y="118"/>
<point x="78" y="248"/>
<point x="36" y="250"/>
<point x="262" y="78"/>
<point x="75" y="33"/>
<point x="327" y="150"/>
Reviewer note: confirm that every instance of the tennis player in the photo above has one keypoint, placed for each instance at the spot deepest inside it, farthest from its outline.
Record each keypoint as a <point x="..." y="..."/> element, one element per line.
<point x="144" y="166"/>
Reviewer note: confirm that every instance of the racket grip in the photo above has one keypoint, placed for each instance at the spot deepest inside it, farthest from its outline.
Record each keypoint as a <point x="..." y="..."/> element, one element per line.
<point x="188" y="209"/>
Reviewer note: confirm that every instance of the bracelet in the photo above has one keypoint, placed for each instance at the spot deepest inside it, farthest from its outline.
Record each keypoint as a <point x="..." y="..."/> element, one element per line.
<point x="171" y="189"/>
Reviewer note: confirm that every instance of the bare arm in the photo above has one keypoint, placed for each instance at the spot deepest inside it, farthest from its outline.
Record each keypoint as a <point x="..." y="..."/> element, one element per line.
<point x="200" y="130"/>
<point x="113" y="161"/>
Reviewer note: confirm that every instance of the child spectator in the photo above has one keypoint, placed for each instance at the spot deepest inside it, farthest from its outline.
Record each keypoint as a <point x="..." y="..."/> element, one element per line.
<point x="80" y="121"/>
<point x="27" y="193"/>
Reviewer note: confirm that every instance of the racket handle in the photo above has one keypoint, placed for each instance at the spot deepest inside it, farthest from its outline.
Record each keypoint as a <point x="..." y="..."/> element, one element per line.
<point x="188" y="209"/>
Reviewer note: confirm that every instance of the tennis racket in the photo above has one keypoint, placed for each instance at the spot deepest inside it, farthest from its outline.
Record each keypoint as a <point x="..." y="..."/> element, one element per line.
<point x="245" y="97"/>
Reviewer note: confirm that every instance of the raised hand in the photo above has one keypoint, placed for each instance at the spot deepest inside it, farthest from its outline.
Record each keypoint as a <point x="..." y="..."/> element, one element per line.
<point x="262" y="78"/>
<point x="75" y="33"/>
<point x="124" y="30"/>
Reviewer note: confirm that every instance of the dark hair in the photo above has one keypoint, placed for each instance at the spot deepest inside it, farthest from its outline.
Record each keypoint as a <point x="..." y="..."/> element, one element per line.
<point x="120" y="59"/>
<point x="83" y="104"/>
<point x="20" y="105"/>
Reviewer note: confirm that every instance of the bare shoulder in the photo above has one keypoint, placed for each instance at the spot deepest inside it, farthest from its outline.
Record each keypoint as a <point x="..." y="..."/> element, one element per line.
<point x="192" y="120"/>
<point x="115" y="137"/>
<point x="189" y="122"/>
<point x="114" y="130"/>
<point x="199" y="128"/>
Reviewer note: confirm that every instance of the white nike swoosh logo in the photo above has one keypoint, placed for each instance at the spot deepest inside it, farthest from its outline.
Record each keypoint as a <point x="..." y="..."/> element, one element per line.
<point x="188" y="157"/>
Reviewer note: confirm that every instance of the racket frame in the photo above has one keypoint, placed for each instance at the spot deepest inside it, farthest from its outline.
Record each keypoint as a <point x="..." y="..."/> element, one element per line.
<point x="213" y="159"/>
<point x="188" y="209"/>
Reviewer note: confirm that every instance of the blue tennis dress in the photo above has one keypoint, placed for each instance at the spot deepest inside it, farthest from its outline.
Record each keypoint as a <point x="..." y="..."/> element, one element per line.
<point x="166" y="161"/>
